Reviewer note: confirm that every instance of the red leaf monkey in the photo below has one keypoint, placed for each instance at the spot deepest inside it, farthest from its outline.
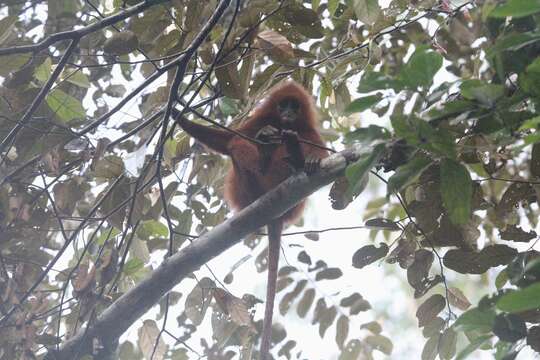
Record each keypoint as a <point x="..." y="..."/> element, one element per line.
<point x="287" y="113"/>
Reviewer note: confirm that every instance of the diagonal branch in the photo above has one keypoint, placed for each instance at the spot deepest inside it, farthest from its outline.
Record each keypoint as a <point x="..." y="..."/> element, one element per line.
<point x="119" y="316"/>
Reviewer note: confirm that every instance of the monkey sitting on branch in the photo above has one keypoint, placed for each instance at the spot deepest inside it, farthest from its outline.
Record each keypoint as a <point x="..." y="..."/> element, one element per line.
<point x="279" y="138"/>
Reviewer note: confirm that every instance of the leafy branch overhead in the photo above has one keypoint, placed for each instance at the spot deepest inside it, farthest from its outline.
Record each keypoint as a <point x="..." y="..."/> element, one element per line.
<point x="112" y="218"/>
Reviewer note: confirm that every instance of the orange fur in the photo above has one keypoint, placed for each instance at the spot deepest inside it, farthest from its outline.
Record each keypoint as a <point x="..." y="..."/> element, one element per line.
<point x="242" y="188"/>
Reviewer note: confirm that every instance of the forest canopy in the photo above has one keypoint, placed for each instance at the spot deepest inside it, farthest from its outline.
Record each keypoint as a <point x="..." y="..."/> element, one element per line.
<point x="110" y="213"/>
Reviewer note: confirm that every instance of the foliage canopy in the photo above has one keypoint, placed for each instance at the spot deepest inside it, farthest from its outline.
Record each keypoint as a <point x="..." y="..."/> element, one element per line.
<point x="97" y="181"/>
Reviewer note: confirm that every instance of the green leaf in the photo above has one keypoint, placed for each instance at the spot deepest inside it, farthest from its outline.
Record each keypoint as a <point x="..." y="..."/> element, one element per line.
<point x="198" y="300"/>
<point x="65" y="106"/>
<point x="48" y="339"/>
<point x="476" y="320"/>
<point x="305" y="21"/>
<point x="485" y="94"/>
<point x="367" y="11"/>
<point x="326" y="90"/>
<point x="513" y="42"/>
<point x="152" y="228"/>
<point x="332" y="6"/>
<point x="516" y="8"/>
<point x="7" y="24"/>
<point x="501" y="279"/>
<point x="229" y="79"/>
<point x="373" y="80"/>
<point x="473" y="346"/>
<point x="521" y="300"/>
<point x="228" y="106"/>
<point x="429" y="309"/>
<point x="342" y="330"/>
<point x="13" y="62"/>
<point x="408" y="173"/>
<point x="420" y="133"/>
<point x="532" y="123"/>
<point x="421" y="68"/>
<point x="121" y="43"/>
<point x="530" y="80"/>
<point x="109" y="167"/>
<point x="357" y="173"/>
<point x="367" y="135"/>
<point x="534" y="164"/>
<point x="363" y="103"/>
<point x="43" y="71"/>
<point x="132" y="266"/>
<point x="305" y="303"/>
<point x="456" y="191"/>
<point x="472" y="262"/>
<point x="404" y="129"/>
<point x="532" y="138"/>
<point x="328" y="274"/>
<point x="80" y="79"/>
<point x="351" y="351"/>
<point x="107" y="234"/>
<point x="447" y="344"/>
<point x="381" y="343"/>
<point x="368" y="254"/>
<point x="430" y="351"/>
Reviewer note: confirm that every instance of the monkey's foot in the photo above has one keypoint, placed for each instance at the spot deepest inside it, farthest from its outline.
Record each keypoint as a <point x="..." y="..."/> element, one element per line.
<point x="312" y="165"/>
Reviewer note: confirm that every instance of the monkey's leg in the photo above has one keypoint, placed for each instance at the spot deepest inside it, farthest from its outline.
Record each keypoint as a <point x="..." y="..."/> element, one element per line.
<point x="310" y="164"/>
<point x="245" y="155"/>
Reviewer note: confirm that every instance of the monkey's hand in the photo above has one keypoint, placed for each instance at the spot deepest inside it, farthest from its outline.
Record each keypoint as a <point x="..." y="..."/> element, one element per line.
<point x="295" y="156"/>
<point x="271" y="137"/>
<point x="269" y="134"/>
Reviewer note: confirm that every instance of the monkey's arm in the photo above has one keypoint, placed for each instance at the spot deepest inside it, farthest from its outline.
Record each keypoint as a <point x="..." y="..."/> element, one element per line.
<point x="304" y="156"/>
<point x="216" y="139"/>
<point x="271" y="137"/>
<point x="294" y="150"/>
<point x="313" y="153"/>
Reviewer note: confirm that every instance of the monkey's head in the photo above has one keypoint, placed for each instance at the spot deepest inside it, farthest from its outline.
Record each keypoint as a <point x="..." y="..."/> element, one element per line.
<point x="289" y="112"/>
<point x="287" y="106"/>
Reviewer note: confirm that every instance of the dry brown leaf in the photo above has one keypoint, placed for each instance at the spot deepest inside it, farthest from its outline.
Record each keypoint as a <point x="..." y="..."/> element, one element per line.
<point x="277" y="44"/>
<point x="235" y="307"/>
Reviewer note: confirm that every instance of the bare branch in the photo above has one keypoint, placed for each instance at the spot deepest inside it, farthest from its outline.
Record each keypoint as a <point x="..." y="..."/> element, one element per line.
<point x="76" y="35"/>
<point x="181" y="62"/>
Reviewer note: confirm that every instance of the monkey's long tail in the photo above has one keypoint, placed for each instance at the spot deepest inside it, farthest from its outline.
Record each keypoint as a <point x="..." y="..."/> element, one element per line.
<point x="274" y="241"/>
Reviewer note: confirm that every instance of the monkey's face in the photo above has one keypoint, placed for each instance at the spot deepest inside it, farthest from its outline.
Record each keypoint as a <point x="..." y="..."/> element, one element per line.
<point x="289" y="111"/>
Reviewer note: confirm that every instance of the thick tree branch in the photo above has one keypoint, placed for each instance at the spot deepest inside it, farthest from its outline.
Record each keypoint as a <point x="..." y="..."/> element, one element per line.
<point x="117" y="318"/>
